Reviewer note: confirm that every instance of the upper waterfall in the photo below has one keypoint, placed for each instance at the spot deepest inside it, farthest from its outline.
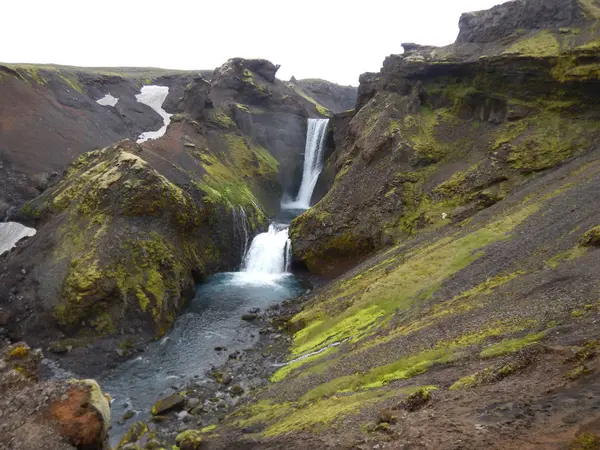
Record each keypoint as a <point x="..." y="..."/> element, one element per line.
<point x="313" y="163"/>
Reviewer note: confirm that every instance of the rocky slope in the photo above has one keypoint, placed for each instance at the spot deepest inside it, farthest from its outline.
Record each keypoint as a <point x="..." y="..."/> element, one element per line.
<point x="49" y="115"/>
<point x="476" y="166"/>
<point x="57" y="415"/>
<point x="127" y="232"/>
<point x="441" y="133"/>
<point x="334" y="97"/>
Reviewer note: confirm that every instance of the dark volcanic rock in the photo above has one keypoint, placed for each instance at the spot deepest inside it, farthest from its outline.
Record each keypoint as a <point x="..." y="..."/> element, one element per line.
<point x="400" y="163"/>
<point x="332" y="96"/>
<point x="503" y="20"/>
<point x="169" y="403"/>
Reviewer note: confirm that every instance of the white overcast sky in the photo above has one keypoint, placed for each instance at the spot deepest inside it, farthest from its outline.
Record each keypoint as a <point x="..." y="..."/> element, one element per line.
<point x="332" y="39"/>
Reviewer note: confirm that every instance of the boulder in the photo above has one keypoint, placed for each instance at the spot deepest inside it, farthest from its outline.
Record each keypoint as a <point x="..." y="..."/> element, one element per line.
<point x="168" y="403"/>
<point x="83" y="414"/>
<point x="189" y="440"/>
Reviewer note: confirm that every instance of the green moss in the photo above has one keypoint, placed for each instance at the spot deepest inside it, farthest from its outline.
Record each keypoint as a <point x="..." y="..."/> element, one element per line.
<point x="487" y="375"/>
<point x="223" y="120"/>
<point x="18" y="352"/>
<point x="189" y="439"/>
<point x="284" y="371"/>
<point x="585" y="441"/>
<point x="543" y="43"/>
<point x="550" y="140"/>
<point x="208" y="429"/>
<point x="508" y="132"/>
<point x="591" y="8"/>
<point x="426" y="269"/>
<point x="134" y="434"/>
<point x="412" y="365"/>
<point x="241" y="107"/>
<point x="417" y="399"/>
<point x="72" y="81"/>
<point x="569" y="255"/>
<point x="511" y="345"/>
<point x="324" y="111"/>
<point x="466" y="382"/>
<point x="454" y="187"/>
<point x="591" y="238"/>
<point x="423" y="134"/>
<point x="577" y="372"/>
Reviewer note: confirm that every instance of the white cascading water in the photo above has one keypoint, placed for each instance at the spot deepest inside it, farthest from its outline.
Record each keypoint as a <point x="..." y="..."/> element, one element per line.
<point x="313" y="163"/>
<point x="270" y="252"/>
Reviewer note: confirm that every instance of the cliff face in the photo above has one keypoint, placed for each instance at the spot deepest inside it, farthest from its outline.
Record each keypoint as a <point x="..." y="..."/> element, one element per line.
<point x="441" y="133"/>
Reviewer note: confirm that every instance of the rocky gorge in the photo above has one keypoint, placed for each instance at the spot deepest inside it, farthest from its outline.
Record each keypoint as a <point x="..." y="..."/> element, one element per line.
<point x="438" y="288"/>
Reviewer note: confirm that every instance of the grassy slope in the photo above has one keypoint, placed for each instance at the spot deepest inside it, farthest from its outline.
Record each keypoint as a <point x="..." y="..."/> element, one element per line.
<point x="409" y="316"/>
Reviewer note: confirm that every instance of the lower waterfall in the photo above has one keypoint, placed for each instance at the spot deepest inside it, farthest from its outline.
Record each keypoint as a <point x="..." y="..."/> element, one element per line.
<point x="270" y="252"/>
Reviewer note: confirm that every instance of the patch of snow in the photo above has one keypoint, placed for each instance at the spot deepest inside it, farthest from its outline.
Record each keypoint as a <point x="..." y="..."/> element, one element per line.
<point x="11" y="233"/>
<point x="154" y="97"/>
<point x="108" y="100"/>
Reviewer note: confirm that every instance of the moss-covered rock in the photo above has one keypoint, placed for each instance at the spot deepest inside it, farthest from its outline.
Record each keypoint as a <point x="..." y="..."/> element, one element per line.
<point x="125" y="236"/>
<point x="189" y="440"/>
<point x="591" y="238"/>
<point x="441" y="133"/>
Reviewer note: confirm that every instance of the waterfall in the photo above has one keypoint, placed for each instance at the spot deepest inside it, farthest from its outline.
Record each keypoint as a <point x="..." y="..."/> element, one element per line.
<point x="313" y="163"/>
<point x="270" y="252"/>
<point x="240" y="229"/>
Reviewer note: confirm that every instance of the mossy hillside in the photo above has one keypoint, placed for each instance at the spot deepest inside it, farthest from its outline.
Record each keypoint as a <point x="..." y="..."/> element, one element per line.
<point x="426" y="269"/>
<point x="129" y="240"/>
<point x="420" y="343"/>
<point x="320" y="108"/>
<point x="411" y="142"/>
<point x="238" y="171"/>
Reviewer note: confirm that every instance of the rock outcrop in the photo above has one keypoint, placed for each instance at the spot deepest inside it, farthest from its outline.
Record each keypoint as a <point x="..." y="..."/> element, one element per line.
<point x="332" y="96"/>
<point x="124" y="237"/>
<point x="441" y="133"/>
<point x="57" y="415"/>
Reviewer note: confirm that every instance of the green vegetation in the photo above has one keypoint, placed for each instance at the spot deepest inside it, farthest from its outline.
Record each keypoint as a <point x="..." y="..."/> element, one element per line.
<point x="426" y="269"/>
<point x="290" y="367"/>
<point x="585" y="441"/>
<point x="550" y="140"/>
<point x="591" y="238"/>
<point x="285" y="417"/>
<point x="511" y="345"/>
<point x="543" y="43"/>
<point x="189" y="439"/>
<point x="222" y="119"/>
<point x="487" y="375"/>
